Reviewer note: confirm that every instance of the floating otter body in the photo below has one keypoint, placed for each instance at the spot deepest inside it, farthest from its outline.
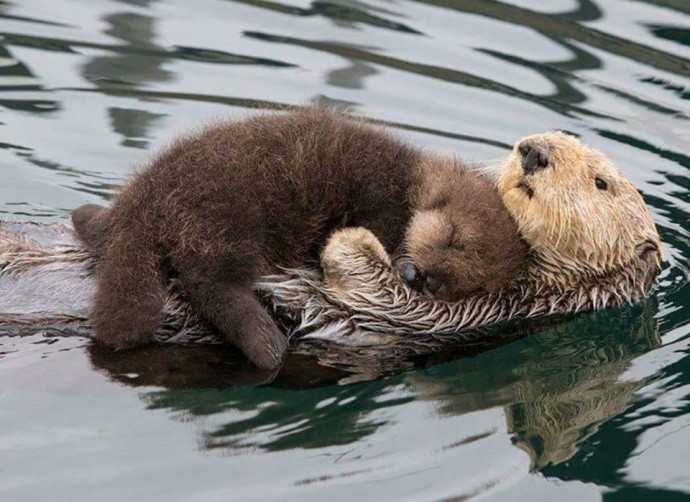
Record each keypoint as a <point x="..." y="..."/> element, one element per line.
<point x="360" y="299"/>
<point x="236" y="201"/>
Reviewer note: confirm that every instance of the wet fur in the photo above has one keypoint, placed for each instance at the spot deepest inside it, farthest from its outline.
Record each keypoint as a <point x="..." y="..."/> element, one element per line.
<point x="220" y="208"/>
<point x="576" y="231"/>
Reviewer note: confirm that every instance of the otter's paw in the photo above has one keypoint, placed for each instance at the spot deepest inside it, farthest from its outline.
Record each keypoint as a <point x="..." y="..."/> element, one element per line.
<point x="261" y="341"/>
<point x="83" y="215"/>
<point x="127" y="314"/>
<point x="120" y="340"/>
<point x="351" y="242"/>
<point x="90" y="224"/>
<point x="348" y="253"/>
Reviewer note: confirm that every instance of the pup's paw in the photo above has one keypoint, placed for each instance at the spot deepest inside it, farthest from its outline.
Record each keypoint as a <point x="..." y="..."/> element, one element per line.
<point x="83" y="215"/>
<point x="349" y="254"/>
<point x="349" y="242"/>
<point x="91" y="226"/>
<point x="120" y="340"/>
<point x="261" y="341"/>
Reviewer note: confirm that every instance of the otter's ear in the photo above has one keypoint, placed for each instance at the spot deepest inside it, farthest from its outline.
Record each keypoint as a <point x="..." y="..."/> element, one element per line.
<point x="649" y="249"/>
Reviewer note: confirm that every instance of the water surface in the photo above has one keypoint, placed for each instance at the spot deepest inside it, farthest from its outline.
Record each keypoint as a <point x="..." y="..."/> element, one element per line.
<point x="597" y="407"/>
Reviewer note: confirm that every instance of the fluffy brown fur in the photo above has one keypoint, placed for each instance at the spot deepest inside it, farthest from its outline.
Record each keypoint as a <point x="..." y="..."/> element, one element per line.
<point x="460" y="236"/>
<point x="220" y="208"/>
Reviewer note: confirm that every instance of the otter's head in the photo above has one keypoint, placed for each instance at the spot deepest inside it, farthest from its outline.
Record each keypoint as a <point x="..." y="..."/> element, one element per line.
<point x="581" y="217"/>
<point x="461" y="239"/>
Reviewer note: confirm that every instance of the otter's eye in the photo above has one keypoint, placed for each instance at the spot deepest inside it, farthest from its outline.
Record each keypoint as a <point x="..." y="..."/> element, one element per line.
<point x="600" y="184"/>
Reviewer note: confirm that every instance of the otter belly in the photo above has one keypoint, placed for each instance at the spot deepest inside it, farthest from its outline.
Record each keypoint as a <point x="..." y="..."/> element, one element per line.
<point x="44" y="279"/>
<point x="47" y="285"/>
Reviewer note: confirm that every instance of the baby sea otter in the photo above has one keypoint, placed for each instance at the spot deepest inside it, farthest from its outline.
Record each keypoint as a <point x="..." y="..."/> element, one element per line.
<point x="220" y="208"/>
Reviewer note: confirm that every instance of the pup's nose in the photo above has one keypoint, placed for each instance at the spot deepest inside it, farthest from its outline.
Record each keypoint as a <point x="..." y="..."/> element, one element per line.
<point x="411" y="275"/>
<point x="534" y="158"/>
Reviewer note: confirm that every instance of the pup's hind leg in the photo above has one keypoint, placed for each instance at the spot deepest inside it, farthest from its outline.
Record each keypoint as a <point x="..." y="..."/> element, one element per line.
<point x="91" y="224"/>
<point x="243" y="321"/>
<point x="128" y="304"/>
<point x="226" y="301"/>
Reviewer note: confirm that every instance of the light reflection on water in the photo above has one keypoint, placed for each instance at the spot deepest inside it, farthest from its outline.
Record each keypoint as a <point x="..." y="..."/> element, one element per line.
<point x="595" y="405"/>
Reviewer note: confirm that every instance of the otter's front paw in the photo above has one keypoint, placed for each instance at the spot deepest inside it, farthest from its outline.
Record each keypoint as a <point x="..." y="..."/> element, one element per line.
<point x="348" y="253"/>
<point x="348" y="243"/>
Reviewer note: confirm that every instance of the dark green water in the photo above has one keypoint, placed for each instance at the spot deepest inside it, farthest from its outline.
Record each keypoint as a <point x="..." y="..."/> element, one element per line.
<point x="594" y="408"/>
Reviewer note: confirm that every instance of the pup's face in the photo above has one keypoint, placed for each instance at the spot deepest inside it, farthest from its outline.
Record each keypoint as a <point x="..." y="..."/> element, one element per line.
<point x="574" y="207"/>
<point x="461" y="239"/>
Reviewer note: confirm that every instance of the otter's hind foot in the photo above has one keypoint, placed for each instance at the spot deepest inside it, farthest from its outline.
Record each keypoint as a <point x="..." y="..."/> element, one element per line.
<point x="260" y="340"/>
<point x="91" y="225"/>
<point x="241" y="320"/>
<point x="122" y="319"/>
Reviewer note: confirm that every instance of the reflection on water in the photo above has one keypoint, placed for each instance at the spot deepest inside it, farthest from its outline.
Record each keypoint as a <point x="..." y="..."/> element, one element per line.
<point x="597" y="402"/>
<point x="135" y="67"/>
<point x="559" y="388"/>
<point x="555" y="390"/>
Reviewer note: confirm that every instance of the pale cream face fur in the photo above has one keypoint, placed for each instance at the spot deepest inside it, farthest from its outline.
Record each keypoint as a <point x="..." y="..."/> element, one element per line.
<point x="579" y="214"/>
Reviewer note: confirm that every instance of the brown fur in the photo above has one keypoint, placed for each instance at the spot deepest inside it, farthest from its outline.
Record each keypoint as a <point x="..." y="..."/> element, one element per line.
<point x="593" y="245"/>
<point x="460" y="233"/>
<point x="219" y="208"/>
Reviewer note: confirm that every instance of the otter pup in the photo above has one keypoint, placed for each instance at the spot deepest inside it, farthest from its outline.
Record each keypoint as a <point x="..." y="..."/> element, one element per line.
<point x="238" y="200"/>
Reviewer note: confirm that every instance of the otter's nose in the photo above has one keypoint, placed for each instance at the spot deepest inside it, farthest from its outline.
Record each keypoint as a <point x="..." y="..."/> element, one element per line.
<point x="534" y="158"/>
<point x="411" y="275"/>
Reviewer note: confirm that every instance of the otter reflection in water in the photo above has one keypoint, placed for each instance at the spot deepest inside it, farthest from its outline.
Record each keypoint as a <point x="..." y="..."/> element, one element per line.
<point x="556" y="387"/>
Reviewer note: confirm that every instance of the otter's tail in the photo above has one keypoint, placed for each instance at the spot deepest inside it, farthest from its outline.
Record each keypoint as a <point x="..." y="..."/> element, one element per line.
<point x="128" y="305"/>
